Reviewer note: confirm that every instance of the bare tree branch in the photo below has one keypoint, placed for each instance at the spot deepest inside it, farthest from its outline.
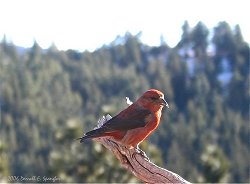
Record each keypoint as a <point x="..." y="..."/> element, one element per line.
<point x="139" y="165"/>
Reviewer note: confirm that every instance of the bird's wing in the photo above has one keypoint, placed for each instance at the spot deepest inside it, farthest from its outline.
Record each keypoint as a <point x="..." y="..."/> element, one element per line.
<point x="134" y="119"/>
<point x="120" y="123"/>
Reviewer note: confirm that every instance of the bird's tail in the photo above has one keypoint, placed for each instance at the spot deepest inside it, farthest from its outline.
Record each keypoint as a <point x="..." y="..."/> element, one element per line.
<point x="100" y="132"/>
<point x="84" y="137"/>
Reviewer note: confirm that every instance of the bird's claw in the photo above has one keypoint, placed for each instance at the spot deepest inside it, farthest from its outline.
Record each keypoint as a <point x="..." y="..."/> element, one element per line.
<point x="142" y="153"/>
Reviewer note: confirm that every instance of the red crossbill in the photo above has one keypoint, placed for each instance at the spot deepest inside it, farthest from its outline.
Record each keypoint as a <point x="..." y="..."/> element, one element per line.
<point x="135" y="123"/>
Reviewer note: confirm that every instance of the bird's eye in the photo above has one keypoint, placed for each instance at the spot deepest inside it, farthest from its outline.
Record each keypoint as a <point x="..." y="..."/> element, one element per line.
<point x="153" y="98"/>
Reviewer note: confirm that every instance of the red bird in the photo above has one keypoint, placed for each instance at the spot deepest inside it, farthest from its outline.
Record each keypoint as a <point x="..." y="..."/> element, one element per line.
<point x="135" y="123"/>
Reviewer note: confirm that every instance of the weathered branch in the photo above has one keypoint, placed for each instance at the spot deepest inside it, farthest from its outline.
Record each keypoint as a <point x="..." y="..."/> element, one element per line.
<point x="139" y="164"/>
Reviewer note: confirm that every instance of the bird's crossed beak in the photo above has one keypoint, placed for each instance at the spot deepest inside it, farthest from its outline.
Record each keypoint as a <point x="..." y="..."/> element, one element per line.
<point x="164" y="102"/>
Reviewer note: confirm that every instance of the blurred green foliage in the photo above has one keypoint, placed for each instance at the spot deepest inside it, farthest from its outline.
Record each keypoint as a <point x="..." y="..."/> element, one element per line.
<point x="50" y="97"/>
<point x="215" y="165"/>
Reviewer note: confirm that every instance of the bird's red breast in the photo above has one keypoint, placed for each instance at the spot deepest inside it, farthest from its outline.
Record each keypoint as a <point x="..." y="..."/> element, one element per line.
<point x="134" y="137"/>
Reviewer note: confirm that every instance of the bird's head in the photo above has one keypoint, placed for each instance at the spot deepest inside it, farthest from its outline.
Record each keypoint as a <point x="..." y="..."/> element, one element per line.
<point x="153" y="100"/>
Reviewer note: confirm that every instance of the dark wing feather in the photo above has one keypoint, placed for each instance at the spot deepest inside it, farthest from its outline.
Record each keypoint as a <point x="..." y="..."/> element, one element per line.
<point x="135" y="119"/>
<point x="132" y="120"/>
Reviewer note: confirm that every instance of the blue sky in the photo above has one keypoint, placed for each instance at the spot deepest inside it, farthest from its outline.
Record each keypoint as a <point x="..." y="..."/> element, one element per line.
<point x="88" y="24"/>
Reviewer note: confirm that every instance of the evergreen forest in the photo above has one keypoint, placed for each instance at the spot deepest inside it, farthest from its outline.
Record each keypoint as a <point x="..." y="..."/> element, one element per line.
<point x="49" y="97"/>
